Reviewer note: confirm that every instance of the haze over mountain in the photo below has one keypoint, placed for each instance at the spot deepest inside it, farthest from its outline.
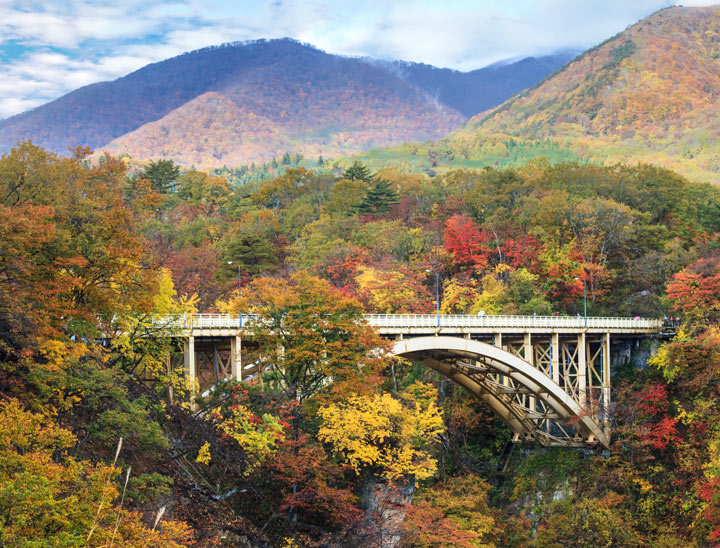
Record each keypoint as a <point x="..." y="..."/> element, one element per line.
<point x="250" y="102"/>
<point x="478" y="90"/>
<point x="648" y="94"/>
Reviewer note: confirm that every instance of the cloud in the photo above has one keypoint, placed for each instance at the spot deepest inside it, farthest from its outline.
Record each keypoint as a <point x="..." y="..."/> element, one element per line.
<point x="463" y="36"/>
<point x="43" y="75"/>
<point x="55" y="46"/>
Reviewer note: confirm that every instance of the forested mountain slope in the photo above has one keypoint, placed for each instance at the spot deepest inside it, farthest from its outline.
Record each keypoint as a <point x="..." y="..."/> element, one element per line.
<point x="478" y="90"/>
<point x="325" y="447"/>
<point x="244" y="103"/>
<point x="649" y="94"/>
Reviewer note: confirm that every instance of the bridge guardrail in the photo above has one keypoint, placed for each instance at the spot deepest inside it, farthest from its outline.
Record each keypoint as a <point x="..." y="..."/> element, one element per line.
<point x="458" y="320"/>
<point x="227" y="321"/>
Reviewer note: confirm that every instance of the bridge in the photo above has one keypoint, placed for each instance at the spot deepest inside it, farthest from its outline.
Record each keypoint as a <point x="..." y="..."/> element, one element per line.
<point x="547" y="377"/>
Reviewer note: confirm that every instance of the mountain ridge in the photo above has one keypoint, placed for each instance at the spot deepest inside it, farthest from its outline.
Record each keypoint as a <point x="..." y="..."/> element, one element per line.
<point x="648" y="94"/>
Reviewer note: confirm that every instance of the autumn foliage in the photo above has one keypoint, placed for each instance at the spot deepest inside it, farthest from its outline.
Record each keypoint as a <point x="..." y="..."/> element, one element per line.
<point x="329" y="441"/>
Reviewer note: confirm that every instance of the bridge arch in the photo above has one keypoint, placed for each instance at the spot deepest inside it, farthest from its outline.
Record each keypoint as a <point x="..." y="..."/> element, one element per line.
<point x="532" y="405"/>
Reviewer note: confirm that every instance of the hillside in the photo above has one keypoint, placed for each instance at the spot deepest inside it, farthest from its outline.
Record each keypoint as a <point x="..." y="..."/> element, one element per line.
<point x="649" y="94"/>
<point x="476" y="91"/>
<point x="249" y="102"/>
<point x="103" y="444"/>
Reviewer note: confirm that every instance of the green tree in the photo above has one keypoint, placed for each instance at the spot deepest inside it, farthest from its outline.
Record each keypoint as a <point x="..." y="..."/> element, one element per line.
<point x="162" y="175"/>
<point x="357" y="172"/>
<point x="251" y="250"/>
<point x="379" y="198"/>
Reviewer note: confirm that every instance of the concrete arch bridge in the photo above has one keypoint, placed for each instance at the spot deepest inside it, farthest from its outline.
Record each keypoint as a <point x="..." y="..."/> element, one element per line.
<point x="547" y="377"/>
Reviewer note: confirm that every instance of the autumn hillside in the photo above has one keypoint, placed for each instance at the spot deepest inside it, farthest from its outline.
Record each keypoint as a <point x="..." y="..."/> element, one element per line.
<point x="248" y="102"/>
<point x="333" y="444"/>
<point x="650" y="93"/>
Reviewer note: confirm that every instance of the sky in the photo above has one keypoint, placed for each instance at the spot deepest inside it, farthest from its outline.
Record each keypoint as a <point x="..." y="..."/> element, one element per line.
<point x="51" y="47"/>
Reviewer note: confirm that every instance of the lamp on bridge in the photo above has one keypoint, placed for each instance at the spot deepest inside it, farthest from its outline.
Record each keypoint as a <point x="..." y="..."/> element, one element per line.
<point x="584" y="298"/>
<point x="239" y="288"/>
<point x="437" y="293"/>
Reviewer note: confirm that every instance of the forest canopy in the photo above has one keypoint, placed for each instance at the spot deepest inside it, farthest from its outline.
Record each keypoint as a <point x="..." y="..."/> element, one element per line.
<point x="333" y="443"/>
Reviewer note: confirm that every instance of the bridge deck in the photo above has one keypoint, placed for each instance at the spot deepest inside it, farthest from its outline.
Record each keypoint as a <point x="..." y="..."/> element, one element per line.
<point x="389" y="324"/>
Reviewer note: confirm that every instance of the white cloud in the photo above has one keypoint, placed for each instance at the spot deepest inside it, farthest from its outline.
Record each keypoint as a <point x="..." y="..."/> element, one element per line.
<point x="42" y="76"/>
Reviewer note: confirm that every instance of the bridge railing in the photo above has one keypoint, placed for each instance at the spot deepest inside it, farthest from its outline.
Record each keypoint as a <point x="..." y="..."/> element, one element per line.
<point x="208" y="321"/>
<point x="491" y="321"/>
<point x="388" y="321"/>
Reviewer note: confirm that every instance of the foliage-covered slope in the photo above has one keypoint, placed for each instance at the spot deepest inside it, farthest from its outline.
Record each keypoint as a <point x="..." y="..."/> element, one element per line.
<point x="648" y="94"/>
<point x="245" y="103"/>
<point x="478" y="90"/>
<point x="325" y="447"/>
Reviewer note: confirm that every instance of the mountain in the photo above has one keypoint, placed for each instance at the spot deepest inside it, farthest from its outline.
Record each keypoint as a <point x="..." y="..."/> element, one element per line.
<point x="476" y="91"/>
<point x="250" y="102"/>
<point x="648" y="94"/>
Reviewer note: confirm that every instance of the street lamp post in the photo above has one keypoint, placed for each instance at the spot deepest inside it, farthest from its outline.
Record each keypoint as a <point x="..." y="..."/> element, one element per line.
<point x="437" y="293"/>
<point x="239" y="288"/>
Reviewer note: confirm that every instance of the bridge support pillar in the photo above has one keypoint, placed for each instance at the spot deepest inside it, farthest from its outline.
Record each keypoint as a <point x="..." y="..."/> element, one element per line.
<point x="236" y="368"/>
<point x="555" y="357"/>
<point x="606" y="385"/>
<point x="529" y="353"/>
<point x="582" y="369"/>
<point x="498" y="341"/>
<point x="528" y="348"/>
<point x="191" y="365"/>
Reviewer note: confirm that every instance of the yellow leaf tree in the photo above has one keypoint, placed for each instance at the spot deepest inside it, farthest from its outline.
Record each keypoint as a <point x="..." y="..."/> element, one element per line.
<point x="393" y="436"/>
<point x="48" y="498"/>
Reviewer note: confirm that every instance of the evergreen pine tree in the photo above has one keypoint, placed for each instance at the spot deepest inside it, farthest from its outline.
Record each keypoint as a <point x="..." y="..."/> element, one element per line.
<point x="357" y="172"/>
<point x="161" y="174"/>
<point x="379" y="198"/>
